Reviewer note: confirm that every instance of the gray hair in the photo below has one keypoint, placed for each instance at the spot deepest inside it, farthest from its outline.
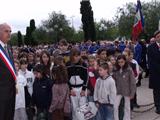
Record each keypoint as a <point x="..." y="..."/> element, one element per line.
<point x="2" y="27"/>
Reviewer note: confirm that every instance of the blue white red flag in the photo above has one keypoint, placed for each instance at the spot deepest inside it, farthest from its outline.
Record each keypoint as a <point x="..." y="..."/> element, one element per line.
<point x="138" y="26"/>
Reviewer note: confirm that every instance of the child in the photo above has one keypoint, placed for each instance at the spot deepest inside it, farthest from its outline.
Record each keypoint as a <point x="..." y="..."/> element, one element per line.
<point x="29" y="76"/>
<point x="102" y="55"/>
<point x="105" y="94"/>
<point x="20" y="111"/>
<point x="42" y="92"/>
<point x="63" y="47"/>
<point x="125" y="84"/>
<point x="45" y="60"/>
<point x="78" y="76"/>
<point x="93" y="75"/>
<point x="60" y="105"/>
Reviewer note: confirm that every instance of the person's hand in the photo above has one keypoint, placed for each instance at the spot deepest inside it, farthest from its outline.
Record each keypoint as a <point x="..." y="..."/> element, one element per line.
<point x="97" y="105"/>
<point x="72" y="93"/>
<point x="82" y="93"/>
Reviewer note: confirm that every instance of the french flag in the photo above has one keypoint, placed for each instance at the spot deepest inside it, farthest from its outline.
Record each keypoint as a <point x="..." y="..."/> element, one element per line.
<point x="138" y="26"/>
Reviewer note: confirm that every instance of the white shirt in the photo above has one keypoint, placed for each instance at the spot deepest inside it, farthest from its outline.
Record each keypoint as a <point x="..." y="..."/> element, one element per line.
<point x="2" y="43"/>
<point x="137" y="67"/>
<point x="105" y="91"/>
<point x="29" y="76"/>
<point x="20" y="96"/>
<point x="158" y="44"/>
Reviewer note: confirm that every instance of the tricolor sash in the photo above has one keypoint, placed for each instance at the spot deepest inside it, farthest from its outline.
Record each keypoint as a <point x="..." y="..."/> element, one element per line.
<point x="7" y="61"/>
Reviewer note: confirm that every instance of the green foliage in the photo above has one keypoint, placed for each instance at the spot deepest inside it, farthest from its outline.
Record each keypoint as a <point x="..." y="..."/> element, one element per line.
<point x="32" y="25"/>
<point x="106" y="30"/>
<point x="125" y="19"/>
<point x="57" y="27"/>
<point x="19" y="39"/>
<point x="13" y="40"/>
<point x="152" y="17"/>
<point x="30" y="38"/>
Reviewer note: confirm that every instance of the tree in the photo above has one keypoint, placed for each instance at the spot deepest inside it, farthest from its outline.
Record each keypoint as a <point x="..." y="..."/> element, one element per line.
<point x="87" y="20"/>
<point x="19" y="37"/>
<point x="125" y="19"/>
<point x="32" y="25"/>
<point x="106" y="30"/>
<point x="13" y="40"/>
<point x="27" y="39"/>
<point x="58" y="25"/>
<point x="30" y="34"/>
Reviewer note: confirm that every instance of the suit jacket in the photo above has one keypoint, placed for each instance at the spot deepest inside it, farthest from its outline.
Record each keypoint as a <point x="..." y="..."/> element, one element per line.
<point x="138" y="53"/>
<point x="154" y="66"/>
<point x="7" y="82"/>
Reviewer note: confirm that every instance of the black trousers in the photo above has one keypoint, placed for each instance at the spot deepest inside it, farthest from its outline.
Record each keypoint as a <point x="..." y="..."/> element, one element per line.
<point x="156" y="96"/>
<point x="7" y="109"/>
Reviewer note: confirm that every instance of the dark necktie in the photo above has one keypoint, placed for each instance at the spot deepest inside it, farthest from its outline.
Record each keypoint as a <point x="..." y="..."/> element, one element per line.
<point x="6" y="49"/>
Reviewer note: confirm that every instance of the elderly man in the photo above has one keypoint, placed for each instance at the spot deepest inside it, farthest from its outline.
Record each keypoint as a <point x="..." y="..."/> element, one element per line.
<point x="7" y="76"/>
<point x="154" y="69"/>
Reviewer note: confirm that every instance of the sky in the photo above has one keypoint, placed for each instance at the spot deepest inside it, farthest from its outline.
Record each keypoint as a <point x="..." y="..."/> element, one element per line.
<point x="18" y="13"/>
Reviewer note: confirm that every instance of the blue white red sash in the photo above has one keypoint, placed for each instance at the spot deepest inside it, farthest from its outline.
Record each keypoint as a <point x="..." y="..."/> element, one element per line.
<point x="8" y="62"/>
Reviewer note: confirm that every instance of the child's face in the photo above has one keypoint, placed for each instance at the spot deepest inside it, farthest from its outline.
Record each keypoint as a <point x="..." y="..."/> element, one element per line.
<point x="16" y="67"/>
<point x="37" y="59"/>
<point x="113" y="61"/>
<point x="45" y="58"/>
<point x="77" y="58"/>
<point x="131" y="56"/>
<point x="91" y="62"/>
<point x="110" y="66"/>
<point x="37" y="74"/>
<point x="63" y="47"/>
<point x="121" y="62"/>
<point x="102" y="72"/>
<point x="83" y="53"/>
<point x="24" y="66"/>
<point x="103" y="55"/>
<point x="125" y="53"/>
<point x="30" y="57"/>
<point x="24" y="58"/>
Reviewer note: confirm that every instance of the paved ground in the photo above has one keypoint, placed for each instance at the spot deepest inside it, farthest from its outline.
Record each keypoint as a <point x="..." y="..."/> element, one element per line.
<point x="145" y="99"/>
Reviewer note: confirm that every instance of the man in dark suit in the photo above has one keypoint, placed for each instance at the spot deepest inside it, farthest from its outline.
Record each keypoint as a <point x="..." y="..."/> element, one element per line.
<point x="154" y="70"/>
<point x="7" y="76"/>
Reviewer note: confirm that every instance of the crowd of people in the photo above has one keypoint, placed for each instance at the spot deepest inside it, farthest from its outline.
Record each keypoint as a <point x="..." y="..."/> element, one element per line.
<point x="52" y="81"/>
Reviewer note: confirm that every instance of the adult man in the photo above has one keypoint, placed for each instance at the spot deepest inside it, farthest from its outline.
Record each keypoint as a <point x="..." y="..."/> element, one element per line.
<point x="7" y="76"/>
<point x="154" y="70"/>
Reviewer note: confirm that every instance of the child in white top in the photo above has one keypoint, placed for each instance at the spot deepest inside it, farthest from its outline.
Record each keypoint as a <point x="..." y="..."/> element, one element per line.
<point x="20" y="111"/>
<point x="105" y="93"/>
<point x="28" y="88"/>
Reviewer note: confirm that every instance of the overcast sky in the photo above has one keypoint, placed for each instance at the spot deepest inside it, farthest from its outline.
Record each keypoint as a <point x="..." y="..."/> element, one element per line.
<point x="18" y="13"/>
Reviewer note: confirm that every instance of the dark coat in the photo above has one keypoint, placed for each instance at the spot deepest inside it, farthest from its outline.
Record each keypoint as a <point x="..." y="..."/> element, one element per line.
<point x="42" y="92"/>
<point x="7" y="91"/>
<point x="154" y="66"/>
